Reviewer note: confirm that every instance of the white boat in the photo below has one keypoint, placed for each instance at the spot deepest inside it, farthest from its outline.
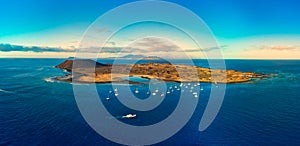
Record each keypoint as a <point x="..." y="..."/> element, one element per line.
<point x="129" y="116"/>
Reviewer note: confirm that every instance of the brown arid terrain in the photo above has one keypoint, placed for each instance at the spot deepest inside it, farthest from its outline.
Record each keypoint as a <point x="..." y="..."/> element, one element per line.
<point x="89" y="71"/>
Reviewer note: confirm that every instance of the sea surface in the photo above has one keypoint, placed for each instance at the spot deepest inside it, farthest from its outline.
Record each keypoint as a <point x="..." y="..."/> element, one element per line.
<point x="37" y="110"/>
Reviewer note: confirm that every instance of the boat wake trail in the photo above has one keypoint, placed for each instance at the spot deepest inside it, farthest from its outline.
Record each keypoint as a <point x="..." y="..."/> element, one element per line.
<point x="49" y="80"/>
<point x="4" y="91"/>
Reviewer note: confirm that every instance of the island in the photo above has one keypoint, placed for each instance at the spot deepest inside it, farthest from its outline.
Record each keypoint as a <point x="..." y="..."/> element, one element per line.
<point x="90" y="71"/>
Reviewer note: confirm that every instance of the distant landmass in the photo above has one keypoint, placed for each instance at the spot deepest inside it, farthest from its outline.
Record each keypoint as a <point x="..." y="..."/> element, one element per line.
<point x="138" y="57"/>
<point x="87" y="70"/>
<point x="131" y="56"/>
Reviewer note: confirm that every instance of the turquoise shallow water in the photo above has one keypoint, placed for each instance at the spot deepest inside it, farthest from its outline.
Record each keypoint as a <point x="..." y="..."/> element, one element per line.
<point x="36" y="110"/>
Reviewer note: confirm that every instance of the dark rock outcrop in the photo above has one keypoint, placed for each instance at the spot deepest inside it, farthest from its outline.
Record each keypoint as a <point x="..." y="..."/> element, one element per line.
<point x="80" y="63"/>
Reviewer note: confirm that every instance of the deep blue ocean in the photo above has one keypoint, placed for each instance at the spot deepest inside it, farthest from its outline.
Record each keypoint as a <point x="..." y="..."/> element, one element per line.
<point x="37" y="110"/>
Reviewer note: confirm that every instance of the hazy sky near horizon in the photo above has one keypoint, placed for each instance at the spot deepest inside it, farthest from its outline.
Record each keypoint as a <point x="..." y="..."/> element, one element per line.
<point x="259" y="29"/>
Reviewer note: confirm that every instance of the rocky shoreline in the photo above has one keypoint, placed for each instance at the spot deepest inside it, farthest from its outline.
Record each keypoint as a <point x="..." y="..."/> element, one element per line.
<point x="105" y="73"/>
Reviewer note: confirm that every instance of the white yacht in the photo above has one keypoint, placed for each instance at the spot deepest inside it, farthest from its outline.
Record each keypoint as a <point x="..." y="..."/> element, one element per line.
<point x="129" y="116"/>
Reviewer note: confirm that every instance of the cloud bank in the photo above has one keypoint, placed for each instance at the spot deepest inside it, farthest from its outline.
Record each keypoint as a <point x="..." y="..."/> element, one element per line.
<point x="148" y="46"/>
<point x="11" y="48"/>
<point x="279" y="48"/>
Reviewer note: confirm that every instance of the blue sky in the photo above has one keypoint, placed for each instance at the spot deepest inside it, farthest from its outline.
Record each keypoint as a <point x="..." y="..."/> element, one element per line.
<point x="241" y="25"/>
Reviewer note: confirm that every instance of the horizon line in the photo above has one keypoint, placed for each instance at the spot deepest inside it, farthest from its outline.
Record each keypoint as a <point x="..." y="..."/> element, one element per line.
<point x="150" y="59"/>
